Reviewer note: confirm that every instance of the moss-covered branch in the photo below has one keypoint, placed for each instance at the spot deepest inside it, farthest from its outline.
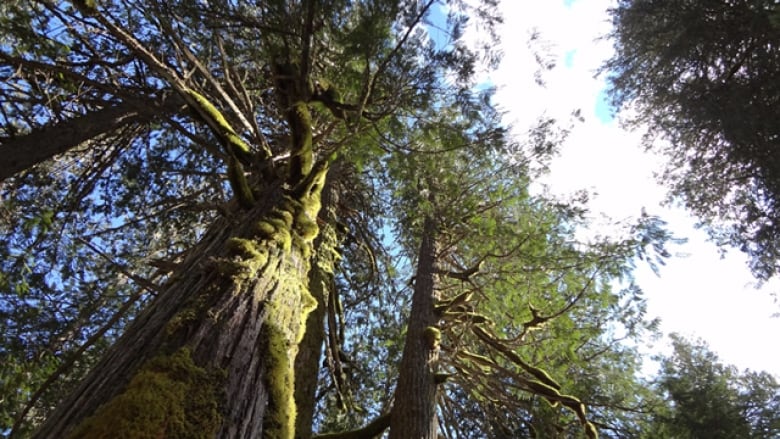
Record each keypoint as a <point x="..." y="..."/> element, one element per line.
<point x="239" y="183"/>
<point x="444" y="305"/>
<point x="543" y="384"/>
<point x="539" y="374"/>
<point x="299" y="118"/>
<point x="221" y="127"/>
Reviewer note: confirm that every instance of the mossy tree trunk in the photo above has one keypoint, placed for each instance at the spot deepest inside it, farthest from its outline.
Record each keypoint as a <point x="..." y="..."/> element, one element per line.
<point x="235" y="309"/>
<point x="321" y="285"/>
<point x="414" y="405"/>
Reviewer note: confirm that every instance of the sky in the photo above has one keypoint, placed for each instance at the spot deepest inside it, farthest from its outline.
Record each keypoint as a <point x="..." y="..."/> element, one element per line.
<point x="698" y="293"/>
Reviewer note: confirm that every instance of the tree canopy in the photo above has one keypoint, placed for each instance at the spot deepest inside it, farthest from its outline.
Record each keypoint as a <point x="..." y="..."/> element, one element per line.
<point x="284" y="219"/>
<point x="702" y="75"/>
<point x="714" y="400"/>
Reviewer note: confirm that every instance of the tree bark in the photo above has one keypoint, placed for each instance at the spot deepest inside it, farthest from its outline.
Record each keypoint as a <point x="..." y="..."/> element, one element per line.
<point x="237" y="309"/>
<point x="414" y="406"/>
<point x="321" y="285"/>
<point x="22" y="152"/>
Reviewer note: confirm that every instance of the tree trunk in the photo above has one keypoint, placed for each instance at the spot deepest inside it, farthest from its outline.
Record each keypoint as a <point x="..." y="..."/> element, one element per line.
<point x="321" y="285"/>
<point x="212" y="355"/>
<point x="414" y="406"/>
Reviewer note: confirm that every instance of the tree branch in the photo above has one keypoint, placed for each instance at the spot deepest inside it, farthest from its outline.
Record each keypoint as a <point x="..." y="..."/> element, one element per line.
<point x="22" y="152"/>
<point x="371" y="430"/>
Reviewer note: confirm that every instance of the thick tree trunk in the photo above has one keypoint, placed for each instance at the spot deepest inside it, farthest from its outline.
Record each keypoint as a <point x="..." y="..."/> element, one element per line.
<point x="212" y="355"/>
<point x="414" y="405"/>
<point x="25" y="151"/>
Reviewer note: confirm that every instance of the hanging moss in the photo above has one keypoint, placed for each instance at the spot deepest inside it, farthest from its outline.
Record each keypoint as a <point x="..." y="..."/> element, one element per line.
<point x="169" y="397"/>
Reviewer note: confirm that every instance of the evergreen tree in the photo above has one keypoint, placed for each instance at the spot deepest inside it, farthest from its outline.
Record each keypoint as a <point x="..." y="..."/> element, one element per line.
<point x="220" y="177"/>
<point x="711" y="400"/>
<point x="263" y="100"/>
<point x="703" y="76"/>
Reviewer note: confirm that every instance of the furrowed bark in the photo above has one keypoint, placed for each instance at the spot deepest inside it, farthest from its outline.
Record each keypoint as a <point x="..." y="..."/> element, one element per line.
<point x="414" y="405"/>
<point x="233" y="313"/>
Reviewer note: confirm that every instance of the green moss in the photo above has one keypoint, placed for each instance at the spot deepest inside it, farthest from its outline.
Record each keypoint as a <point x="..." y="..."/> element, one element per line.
<point x="245" y="259"/>
<point x="303" y="115"/>
<point x="288" y="309"/>
<point x="432" y="337"/>
<point x="240" y="184"/>
<point x="281" y="219"/>
<point x="280" y="423"/>
<point x="481" y="361"/>
<point x="235" y="142"/>
<point x="306" y="227"/>
<point x="264" y="229"/>
<point x="541" y="375"/>
<point x="309" y="304"/>
<point x="286" y="232"/>
<point x="284" y="240"/>
<point x="300" y="126"/>
<point x="245" y="248"/>
<point x="291" y="205"/>
<point x="286" y="324"/>
<point x="180" y="320"/>
<point x="168" y="397"/>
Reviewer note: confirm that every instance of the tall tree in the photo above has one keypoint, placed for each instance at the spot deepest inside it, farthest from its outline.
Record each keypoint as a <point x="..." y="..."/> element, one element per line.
<point x="264" y="98"/>
<point x="414" y="403"/>
<point x="713" y="400"/>
<point x="223" y="129"/>
<point x="704" y="76"/>
<point x="521" y="310"/>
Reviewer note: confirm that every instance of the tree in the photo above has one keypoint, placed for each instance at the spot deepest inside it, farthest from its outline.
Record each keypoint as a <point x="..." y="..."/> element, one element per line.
<point x="703" y="77"/>
<point x="522" y="308"/>
<point x="711" y="400"/>
<point x="270" y="95"/>
<point x="226" y="197"/>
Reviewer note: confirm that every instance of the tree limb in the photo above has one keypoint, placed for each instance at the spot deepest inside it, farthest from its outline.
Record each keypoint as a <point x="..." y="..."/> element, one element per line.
<point x="371" y="430"/>
<point x="22" y="152"/>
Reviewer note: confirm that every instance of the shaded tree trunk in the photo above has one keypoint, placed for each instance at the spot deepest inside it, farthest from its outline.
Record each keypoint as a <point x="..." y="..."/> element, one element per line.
<point x="214" y="352"/>
<point x="414" y="406"/>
